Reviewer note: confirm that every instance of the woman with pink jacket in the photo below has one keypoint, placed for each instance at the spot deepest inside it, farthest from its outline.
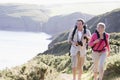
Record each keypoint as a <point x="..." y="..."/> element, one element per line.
<point x="101" y="49"/>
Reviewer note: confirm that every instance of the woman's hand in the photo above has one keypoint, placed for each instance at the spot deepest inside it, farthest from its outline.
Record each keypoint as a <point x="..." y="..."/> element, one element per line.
<point x="86" y="35"/>
<point x="108" y="54"/>
<point x="96" y="41"/>
<point x="75" y="43"/>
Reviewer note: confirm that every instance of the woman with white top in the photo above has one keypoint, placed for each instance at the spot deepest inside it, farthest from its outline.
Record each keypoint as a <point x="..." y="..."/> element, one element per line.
<point x="78" y="39"/>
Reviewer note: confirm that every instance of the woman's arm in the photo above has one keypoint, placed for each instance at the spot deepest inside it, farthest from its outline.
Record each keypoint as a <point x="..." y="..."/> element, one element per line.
<point x="108" y="45"/>
<point x="70" y="37"/>
<point x="91" y="42"/>
<point x="88" y="34"/>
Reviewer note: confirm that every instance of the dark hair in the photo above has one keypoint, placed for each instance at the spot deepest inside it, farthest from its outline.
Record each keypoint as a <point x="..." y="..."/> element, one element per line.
<point x="84" y="26"/>
<point x="83" y="22"/>
<point x="75" y="28"/>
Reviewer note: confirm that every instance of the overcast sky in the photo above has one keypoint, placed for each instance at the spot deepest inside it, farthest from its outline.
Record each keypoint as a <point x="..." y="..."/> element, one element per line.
<point x="49" y="2"/>
<point x="58" y="7"/>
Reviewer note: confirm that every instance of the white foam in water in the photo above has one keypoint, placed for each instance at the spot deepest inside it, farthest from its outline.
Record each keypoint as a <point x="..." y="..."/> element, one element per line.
<point x="17" y="48"/>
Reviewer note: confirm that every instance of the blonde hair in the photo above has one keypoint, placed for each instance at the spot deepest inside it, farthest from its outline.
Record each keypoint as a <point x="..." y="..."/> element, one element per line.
<point x="101" y="24"/>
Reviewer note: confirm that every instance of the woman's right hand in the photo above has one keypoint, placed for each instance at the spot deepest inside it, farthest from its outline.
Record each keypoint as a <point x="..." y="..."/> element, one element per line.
<point x="108" y="54"/>
<point x="75" y="43"/>
<point x="96" y="41"/>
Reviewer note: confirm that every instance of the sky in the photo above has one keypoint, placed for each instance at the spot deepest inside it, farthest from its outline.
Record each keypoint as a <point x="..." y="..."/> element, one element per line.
<point x="59" y="7"/>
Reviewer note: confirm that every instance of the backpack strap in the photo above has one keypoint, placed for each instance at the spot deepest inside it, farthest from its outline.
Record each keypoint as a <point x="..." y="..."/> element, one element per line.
<point x="84" y="29"/>
<point x="104" y="35"/>
<point x="98" y="36"/>
<point x="73" y="33"/>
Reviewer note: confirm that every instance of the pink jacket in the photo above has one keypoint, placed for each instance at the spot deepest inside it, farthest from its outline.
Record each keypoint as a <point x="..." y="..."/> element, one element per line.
<point x="97" y="46"/>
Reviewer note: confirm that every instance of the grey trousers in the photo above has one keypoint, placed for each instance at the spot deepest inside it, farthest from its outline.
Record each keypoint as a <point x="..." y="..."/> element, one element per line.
<point x="99" y="59"/>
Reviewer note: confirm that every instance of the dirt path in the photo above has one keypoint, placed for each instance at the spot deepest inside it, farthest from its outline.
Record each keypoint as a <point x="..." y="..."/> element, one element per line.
<point x="65" y="76"/>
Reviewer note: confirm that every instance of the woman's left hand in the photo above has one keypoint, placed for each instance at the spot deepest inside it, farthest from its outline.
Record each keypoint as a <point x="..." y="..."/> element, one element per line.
<point x="86" y="35"/>
<point x="108" y="54"/>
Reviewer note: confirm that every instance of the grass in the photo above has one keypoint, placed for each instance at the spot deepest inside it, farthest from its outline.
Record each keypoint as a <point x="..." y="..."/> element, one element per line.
<point x="49" y="67"/>
<point x="56" y="61"/>
<point x="29" y="71"/>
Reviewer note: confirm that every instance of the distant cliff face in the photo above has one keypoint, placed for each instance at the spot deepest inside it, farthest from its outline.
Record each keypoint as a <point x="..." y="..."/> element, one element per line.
<point x="58" y="24"/>
<point x="34" y="18"/>
<point x="19" y="17"/>
<point x="111" y="19"/>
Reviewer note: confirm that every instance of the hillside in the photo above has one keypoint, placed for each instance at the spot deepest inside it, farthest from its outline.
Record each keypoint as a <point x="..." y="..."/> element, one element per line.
<point x="111" y="19"/>
<point x="35" y="18"/>
<point x="22" y="17"/>
<point x="59" y="38"/>
<point x="56" y="62"/>
<point x="62" y="47"/>
<point x="51" y="67"/>
<point x="32" y="70"/>
<point x="113" y="26"/>
<point x="62" y="23"/>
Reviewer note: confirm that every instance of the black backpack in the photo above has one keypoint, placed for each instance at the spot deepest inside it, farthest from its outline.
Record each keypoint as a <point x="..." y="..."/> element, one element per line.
<point x="98" y="36"/>
<point x="73" y="33"/>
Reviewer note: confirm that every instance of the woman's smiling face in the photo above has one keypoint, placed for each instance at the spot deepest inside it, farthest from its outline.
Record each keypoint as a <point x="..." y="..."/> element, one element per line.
<point x="79" y="25"/>
<point x="101" y="28"/>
